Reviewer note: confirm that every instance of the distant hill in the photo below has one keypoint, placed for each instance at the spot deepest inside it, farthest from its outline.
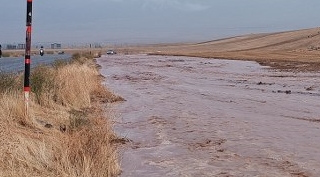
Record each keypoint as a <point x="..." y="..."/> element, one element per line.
<point x="282" y="45"/>
<point x="290" y="40"/>
<point x="290" y="49"/>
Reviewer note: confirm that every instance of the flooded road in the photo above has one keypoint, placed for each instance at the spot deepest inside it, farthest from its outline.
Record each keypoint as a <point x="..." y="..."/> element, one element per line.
<point x="16" y="64"/>
<point x="199" y="117"/>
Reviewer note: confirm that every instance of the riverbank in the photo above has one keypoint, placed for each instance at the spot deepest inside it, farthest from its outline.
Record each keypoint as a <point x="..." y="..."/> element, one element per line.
<point x="67" y="132"/>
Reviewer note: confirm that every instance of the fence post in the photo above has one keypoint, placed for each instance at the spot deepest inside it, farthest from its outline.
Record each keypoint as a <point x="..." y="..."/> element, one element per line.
<point x="27" y="60"/>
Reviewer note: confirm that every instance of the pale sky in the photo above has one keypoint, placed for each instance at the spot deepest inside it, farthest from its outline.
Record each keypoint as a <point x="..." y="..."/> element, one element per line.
<point x="152" y="21"/>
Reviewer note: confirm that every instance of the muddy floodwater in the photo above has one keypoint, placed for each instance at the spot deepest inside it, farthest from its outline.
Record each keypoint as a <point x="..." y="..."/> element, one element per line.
<point x="201" y="117"/>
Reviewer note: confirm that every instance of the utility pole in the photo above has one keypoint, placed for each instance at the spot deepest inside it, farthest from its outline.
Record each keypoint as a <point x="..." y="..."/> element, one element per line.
<point x="27" y="60"/>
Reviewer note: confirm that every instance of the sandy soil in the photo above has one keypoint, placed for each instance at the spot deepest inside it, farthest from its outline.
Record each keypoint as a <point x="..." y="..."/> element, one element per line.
<point x="198" y="117"/>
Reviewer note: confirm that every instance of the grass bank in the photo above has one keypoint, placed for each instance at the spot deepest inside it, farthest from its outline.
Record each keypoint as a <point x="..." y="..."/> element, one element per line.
<point x="66" y="132"/>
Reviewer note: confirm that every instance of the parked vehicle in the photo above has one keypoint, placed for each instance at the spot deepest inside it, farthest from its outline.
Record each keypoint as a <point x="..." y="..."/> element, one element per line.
<point x="111" y="52"/>
<point x="61" y="52"/>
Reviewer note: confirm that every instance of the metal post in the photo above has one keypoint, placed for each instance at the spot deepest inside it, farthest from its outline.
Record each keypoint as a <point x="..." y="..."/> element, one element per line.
<point x="27" y="60"/>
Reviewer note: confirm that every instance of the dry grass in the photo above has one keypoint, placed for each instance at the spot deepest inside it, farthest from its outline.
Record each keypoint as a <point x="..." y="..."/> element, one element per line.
<point x="65" y="133"/>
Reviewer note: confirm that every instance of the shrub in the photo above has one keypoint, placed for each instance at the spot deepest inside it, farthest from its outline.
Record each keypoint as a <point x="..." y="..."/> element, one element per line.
<point x="81" y="58"/>
<point x="42" y="83"/>
<point x="49" y="52"/>
<point x="8" y="82"/>
<point x="76" y="56"/>
<point x="6" y="54"/>
<point x="59" y="63"/>
<point x="78" y="119"/>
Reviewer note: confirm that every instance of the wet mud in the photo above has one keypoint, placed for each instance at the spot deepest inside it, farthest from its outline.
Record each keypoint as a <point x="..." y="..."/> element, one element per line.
<point x="200" y="117"/>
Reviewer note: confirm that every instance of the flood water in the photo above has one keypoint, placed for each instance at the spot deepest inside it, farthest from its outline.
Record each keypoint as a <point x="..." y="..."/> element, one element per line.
<point x="201" y="117"/>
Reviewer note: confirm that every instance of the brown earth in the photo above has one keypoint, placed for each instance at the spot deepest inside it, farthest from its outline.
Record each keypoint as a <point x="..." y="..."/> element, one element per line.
<point x="297" y="50"/>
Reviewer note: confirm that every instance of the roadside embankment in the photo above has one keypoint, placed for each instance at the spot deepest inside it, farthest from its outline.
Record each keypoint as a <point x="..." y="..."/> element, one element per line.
<point x="66" y="132"/>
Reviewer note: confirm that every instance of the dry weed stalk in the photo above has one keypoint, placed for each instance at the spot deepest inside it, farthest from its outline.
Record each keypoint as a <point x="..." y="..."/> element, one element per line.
<point x="65" y="135"/>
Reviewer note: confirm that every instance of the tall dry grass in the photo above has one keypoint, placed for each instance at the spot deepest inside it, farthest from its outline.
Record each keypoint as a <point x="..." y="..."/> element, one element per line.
<point x="65" y="133"/>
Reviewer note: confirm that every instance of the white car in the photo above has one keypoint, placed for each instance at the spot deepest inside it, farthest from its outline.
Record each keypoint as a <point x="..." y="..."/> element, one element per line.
<point x="111" y="52"/>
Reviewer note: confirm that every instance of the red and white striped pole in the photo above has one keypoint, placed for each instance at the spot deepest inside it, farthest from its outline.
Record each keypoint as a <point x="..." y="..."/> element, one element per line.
<point x="27" y="60"/>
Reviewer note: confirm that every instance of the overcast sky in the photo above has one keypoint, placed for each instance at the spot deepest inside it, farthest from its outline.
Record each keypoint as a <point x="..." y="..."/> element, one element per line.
<point x="152" y="21"/>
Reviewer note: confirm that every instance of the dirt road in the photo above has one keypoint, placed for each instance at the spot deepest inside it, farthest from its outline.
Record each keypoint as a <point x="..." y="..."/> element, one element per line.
<point x="199" y="117"/>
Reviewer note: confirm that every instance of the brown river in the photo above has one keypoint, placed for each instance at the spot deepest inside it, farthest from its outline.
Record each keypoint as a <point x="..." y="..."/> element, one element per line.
<point x="200" y="117"/>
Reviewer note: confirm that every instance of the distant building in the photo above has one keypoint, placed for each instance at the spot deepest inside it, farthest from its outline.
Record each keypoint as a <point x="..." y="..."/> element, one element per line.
<point x="97" y="46"/>
<point x="11" y="47"/>
<point x="55" y="46"/>
<point x="21" y="46"/>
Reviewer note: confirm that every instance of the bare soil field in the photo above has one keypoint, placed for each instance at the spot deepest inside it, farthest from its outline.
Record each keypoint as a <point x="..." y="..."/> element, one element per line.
<point x="189" y="116"/>
<point x="292" y="50"/>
